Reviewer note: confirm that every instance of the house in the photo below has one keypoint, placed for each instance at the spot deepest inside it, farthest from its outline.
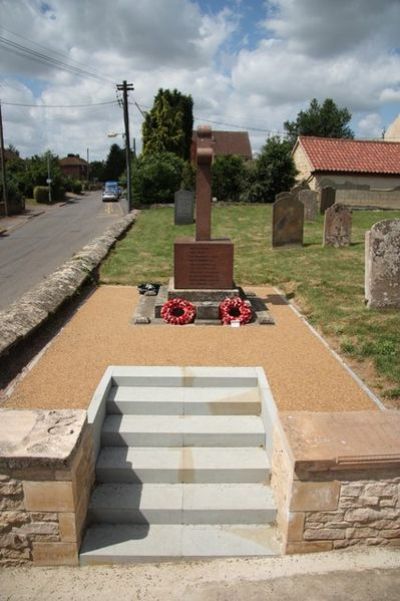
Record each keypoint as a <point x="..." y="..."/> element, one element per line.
<point x="73" y="166"/>
<point x="226" y="143"/>
<point x="363" y="172"/>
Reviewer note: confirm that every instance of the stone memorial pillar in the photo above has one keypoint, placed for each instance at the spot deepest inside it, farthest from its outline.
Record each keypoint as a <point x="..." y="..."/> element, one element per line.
<point x="203" y="263"/>
<point x="382" y="265"/>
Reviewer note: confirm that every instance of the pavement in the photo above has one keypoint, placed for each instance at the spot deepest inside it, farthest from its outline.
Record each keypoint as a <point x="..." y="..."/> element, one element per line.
<point x="11" y="223"/>
<point x="370" y="574"/>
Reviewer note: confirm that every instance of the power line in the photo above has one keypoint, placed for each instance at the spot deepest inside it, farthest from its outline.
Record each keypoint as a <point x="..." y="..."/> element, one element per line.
<point x="31" y="54"/>
<point x="60" y="106"/>
<point x="53" y="51"/>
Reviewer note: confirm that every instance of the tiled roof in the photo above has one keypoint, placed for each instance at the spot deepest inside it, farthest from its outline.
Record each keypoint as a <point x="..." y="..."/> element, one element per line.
<point x="72" y="161"/>
<point x="353" y="156"/>
<point x="230" y="142"/>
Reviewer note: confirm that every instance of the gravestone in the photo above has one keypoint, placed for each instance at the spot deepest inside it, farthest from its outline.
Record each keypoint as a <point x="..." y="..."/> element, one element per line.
<point x="282" y="195"/>
<point x="382" y="265"/>
<point x="309" y="198"/>
<point x="203" y="263"/>
<point x="183" y="207"/>
<point x="327" y="199"/>
<point x="287" y="221"/>
<point x="337" y="226"/>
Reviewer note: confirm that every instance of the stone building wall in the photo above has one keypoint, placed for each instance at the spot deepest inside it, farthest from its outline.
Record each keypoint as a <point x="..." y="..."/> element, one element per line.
<point x="43" y="502"/>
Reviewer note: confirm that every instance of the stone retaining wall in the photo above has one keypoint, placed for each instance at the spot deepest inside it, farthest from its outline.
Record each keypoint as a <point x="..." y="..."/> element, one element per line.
<point x="337" y="496"/>
<point x="34" y="307"/>
<point x="44" y="489"/>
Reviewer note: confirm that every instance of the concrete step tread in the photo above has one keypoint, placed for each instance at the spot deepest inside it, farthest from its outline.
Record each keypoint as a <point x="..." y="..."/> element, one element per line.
<point x="180" y="424"/>
<point x="182" y="464"/>
<point x="182" y="394"/>
<point x="176" y="400"/>
<point x="107" y="543"/>
<point x="183" y="430"/>
<point x="182" y="496"/>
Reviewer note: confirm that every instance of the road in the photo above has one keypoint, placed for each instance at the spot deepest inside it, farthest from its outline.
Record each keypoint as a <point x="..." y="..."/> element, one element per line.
<point x="36" y="248"/>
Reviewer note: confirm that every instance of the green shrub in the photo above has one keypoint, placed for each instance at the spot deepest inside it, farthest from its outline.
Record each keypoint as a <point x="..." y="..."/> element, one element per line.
<point x="156" y="177"/>
<point x="41" y="194"/>
<point x="76" y="186"/>
<point x="228" y="177"/>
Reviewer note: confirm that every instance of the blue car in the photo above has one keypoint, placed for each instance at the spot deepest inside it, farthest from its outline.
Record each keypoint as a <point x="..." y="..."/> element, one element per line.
<point x="111" y="192"/>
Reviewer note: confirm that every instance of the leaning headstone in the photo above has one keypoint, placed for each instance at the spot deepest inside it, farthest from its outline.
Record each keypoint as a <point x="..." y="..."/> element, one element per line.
<point x="287" y="221"/>
<point x="382" y="265"/>
<point x="337" y="226"/>
<point x="328" y="196"/>
<point x="184" y="207"/>
<point x="309" y="198"/>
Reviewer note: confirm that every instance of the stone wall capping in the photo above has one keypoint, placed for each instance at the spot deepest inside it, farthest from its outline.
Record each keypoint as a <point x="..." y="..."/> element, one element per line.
<point x="39" y="439"/>
<point x="341" y="441"/>
<point x="28" y="313"/>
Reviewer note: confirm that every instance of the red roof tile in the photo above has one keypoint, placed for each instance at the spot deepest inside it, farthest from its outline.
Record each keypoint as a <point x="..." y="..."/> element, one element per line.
<point x="72" y="161"/>
<point x="354" y="156"/>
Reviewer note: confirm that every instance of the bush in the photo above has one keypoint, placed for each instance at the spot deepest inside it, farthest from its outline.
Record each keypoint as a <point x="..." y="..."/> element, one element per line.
<point x="228" y="177"/>
<point x="76" y="186"/>
<point x="156" y="177"/>
<point x="41" y="194"/>
<point x="15" y="199"/>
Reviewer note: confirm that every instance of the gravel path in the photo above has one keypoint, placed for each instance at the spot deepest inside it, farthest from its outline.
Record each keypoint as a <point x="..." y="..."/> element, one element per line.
<point x="303" y="373"/>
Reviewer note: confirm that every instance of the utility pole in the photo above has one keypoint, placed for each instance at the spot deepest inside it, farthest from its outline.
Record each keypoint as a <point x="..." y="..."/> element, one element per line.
<point x="125" y="88"/>
<point x="87" y="161"/>
<point x="3" y="167"/>
<point x="49" y="175"/>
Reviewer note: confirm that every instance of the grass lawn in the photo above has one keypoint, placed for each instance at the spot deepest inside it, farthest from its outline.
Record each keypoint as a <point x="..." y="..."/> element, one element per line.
<point x="326" y="283"/>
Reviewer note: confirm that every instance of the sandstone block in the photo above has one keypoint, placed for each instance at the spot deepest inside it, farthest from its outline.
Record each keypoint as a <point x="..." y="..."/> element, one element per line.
<point x="315" y="496"/>
<point x="309" y="547"/>
<point x="361" y="533"/>
<point x="49" y="496"/>
<point x="68" y="530"/>
<point x="352" y="490"/>
<point x="40" y="528"/>
<point x="381" y="489"/>
<point x="367" y="514"/>
<point x="370" y="501"/>
<point x="55" y="554"/>
<point x="324" y="534"/>
<point x="295" y="526"/>
<point x="13" y="540"/>
<point x="38" y="516"/>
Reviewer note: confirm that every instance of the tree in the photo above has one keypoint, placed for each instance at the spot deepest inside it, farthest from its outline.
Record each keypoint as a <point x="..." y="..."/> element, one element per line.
<point x="326" y="121"/>
<point x="228" y="175"/>
<point x="97" y="170"/>
<point x="168" y="126"/>
<point x="115" y="163"/>
<point x="273" y="172"/>
<point x="156" y="177"/>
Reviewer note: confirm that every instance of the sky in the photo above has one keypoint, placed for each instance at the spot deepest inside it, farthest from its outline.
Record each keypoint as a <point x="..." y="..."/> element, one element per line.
<point x="248" y="64"/>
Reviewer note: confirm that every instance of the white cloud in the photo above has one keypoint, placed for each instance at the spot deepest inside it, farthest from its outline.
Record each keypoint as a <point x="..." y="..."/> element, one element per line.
<point x="345" y="50"/>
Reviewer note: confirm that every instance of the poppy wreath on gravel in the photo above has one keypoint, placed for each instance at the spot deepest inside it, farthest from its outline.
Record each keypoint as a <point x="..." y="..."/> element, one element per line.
<point x="234" y="309"/>
<point x="178" y="312"/>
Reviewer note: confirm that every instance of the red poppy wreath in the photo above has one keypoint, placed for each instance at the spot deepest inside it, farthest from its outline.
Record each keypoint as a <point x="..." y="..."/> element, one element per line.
<point x="178" y="312"/>
<point x="234" y="309"/>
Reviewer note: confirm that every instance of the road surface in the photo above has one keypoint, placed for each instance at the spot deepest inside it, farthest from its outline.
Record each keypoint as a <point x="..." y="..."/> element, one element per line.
<point x="35" y="249"/>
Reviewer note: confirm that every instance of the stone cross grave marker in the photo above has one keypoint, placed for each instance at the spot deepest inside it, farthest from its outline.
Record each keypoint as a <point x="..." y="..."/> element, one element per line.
<point x="327" y="198"/>
<point x="184" y="207"/>
<point x="337" y="226"/>
<point x="382" y="265"/>
<point x="287" y="221"/>
<point x="309" y="198"/>
<point x="203" y="263"/>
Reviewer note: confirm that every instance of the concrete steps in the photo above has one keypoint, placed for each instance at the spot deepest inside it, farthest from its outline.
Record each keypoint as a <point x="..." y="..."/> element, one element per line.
<point x="183" y="465"/>
<point x="182" y="504"/>
<point x="124" y="543"/>
<point x="183" y="430"/>
<point x="182" y="472"/>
